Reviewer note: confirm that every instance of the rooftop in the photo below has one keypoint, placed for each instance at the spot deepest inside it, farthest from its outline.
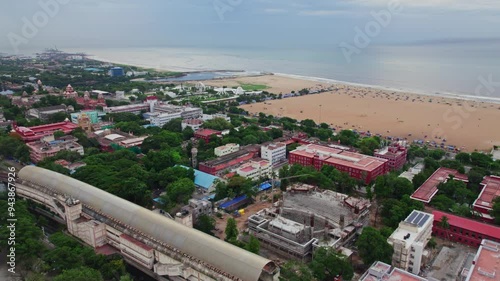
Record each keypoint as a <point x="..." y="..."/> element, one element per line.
<point x="286" y="225"/>
<point x="464" y="223"/>
<point x="486" y="265"/>
<point x="380" y="271"/>
<point x="417" y="220"/>
<point x="207" y="132"/>
<point x="202" y="179"/>
<point x="430" y="187"/>
<point x="275" y="145"/>
<point x="491" y="190"/>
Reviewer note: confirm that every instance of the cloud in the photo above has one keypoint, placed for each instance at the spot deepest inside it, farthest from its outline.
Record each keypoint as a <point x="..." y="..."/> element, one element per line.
<point x="275" y="11"/>
<point x="324" y="13"/>
<point x="465" y="5"/>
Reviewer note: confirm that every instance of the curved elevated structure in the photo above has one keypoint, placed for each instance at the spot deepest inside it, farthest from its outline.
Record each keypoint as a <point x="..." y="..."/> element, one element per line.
<point x="237" y="262"/>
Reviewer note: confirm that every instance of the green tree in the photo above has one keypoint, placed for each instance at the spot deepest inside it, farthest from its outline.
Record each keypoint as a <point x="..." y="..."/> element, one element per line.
<point x="231" y="230"/>
<point x="181" y="190"/>
<point x="296" y="271"/>
<point x="174" y="125"/>
<point x="253" y="245"/>
<point x="463" y="157"/>
<point x="495" y="212"/>
<point x="218" y="124"/>
<point x="205" y="224"/>
<point x="327" y="264"/>
<point x="58" y="134"/>
<point x="373" y="247"/>
<point x="80" y="274"/>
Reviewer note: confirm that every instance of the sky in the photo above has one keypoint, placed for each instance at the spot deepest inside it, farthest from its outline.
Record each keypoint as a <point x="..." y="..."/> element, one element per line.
<point x="240" y="23"/>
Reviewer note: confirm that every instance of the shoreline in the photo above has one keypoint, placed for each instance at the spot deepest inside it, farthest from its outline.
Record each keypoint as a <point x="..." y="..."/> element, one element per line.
<point x="456" y="96"/>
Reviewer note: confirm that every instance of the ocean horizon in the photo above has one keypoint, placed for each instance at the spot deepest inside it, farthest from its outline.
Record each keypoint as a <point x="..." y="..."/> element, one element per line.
<point x="454" y="70"/>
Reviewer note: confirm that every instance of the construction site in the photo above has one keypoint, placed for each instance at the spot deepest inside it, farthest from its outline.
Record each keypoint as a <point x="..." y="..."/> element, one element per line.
<point x="307" y="218"/>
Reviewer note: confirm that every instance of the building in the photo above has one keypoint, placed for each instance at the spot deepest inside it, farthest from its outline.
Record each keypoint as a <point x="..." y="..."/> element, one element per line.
<point x="409" y="241"/>
<point x="490" y="191"/>
<point x="396" y="154"/>
<point x="429" y="188"/>
<point x="164" y="113"/>
<point x="43" y="113"/>
<point x="275" y="153"/>
<point x="35" y="133"/>
<point x="226" y="149"/>
<point x="485" y="266"/>
<point x="358" y="166"/>
<point x="308" y="218"/>
<point x="206" y="134"/>
<point x="95" y="116"/>
<point x="109" y="139"/>
<point x="207" y="117"/>
<point x="463" y="230"/>
<point x="380" y="271"/>
<point x="132" y="108"/>
<point x="194" y="124"/>
<point x="40" y="150"/>
<point x="89" y="103"/>
<point x="72" y="167"/>
<point x="255" y="169"/>
<point x="205" y="182"/>
<point x="197" y="208"/>
<point x="222" y="165"/>
<point x="116" y="72"/>
<point x="160" y="119"/>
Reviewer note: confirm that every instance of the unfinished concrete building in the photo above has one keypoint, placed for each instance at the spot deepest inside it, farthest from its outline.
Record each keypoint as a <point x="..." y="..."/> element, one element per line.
<point x="308" y="218"/>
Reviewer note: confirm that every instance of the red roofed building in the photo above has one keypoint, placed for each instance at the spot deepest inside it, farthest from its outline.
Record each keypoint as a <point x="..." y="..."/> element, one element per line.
<point x="430" y="187"/>
<point x="484" y="203"/>
<point x="396" y="154"/>
<point x="205" y="134"/>
<point x="357" y="165"/>
<point x="463" y="230"/>
<point x="88" y="103"/>
<point x="30" y="134"/>
<point x="221" y="165"/>
<point x="485" y="266"/>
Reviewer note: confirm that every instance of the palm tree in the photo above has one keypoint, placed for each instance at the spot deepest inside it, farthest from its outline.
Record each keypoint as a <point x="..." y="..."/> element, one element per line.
<point x="445" y="224"/>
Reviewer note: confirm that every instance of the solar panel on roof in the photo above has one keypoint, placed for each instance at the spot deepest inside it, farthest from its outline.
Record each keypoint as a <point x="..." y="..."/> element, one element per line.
<point x="423" y="220"/>
<point x="411" y="217"/>
<point x="417" y="219"/>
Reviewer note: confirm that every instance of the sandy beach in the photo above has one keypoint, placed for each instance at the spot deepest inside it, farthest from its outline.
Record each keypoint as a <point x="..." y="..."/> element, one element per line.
<point x="466" y="124"/>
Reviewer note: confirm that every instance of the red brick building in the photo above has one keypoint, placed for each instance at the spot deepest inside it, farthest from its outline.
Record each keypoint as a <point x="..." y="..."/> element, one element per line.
<point x="490" y="191"/>
<point x="219" y="166"/>
<point x="29" y="134"/>
<point x="205" y="134"/>
<point x="396" y="154"/>
<point x="463" y="230"/>
<point x="357" y="165"/>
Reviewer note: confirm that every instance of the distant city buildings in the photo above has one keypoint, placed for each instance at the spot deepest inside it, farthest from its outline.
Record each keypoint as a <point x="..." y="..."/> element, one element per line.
<point x="358" y="166"/>
<point x="116" y="72"/>
<point x="409" y="241"/>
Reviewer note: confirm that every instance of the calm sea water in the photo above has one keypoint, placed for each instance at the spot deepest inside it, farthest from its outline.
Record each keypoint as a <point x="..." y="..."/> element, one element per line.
<point x="431" y="69"/>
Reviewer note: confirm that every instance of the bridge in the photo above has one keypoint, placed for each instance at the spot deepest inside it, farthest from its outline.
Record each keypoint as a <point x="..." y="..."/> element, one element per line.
<point x="167" y="250"/>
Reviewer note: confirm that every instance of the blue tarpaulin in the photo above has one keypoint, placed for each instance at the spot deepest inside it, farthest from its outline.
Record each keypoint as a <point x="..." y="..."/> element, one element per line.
<point x="264" y="186"/>
<point x="232" y="202"/>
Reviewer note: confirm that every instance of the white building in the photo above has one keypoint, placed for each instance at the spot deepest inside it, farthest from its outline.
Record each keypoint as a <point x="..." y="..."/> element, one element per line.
<point x="409" y="241"/>
<point x="226" y="149"/>
<point x="255" y="169"/>
<point x="207" y="117"/>
<point x="275" y="153"/>
<point x="160" y="119"/>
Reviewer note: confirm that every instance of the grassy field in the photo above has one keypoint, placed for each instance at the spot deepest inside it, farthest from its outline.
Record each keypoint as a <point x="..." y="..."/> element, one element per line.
<point x="253" y="87"/>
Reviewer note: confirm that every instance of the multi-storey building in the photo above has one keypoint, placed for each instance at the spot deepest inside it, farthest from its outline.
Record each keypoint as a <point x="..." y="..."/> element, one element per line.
<point x="226" y="149"/>
<point x="194" y="124"/>
<point x="490" y="191"/>
<point x="358" y="166"/>
<point x="255" y="169"/>
<point x="463" y="230"/>
<point x="485" y="264"/>
<point x="275" y="153"/>
<point x="396" y="154"/>
<point x="43" y="113"/>
<point x="160" y="119"/>
<point x="42" y="149"/>
<point x="409" y="241"/>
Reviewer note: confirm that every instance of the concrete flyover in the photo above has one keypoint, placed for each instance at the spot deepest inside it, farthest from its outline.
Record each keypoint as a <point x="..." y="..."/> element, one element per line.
<point x="152" y="242"/>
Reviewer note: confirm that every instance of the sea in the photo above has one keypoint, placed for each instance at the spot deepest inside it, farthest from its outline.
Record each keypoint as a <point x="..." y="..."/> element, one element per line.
<point x="469" y="70"/>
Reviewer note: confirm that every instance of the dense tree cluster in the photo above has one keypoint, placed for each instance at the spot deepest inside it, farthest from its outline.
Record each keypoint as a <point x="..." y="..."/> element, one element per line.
<point x="373" y="246"/>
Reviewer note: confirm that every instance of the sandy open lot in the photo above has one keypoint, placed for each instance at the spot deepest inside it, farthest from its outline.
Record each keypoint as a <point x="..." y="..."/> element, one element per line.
<point x="467" y="124"/>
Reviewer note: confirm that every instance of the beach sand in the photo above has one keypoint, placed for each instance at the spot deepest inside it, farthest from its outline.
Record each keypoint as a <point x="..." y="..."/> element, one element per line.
<point x="466" y="124"/>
